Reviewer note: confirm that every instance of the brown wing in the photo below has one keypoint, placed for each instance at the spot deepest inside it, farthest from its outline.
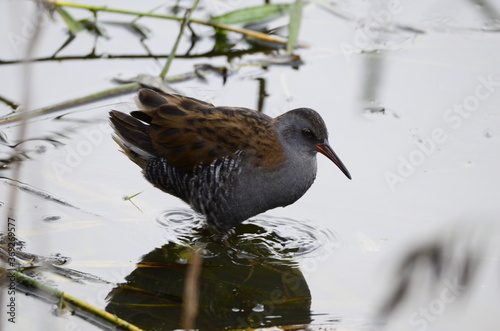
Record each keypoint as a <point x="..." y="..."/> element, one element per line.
<point x="188" y="132"/>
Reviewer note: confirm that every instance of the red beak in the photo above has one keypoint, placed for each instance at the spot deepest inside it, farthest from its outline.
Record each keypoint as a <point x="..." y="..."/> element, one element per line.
<point x="327" y="151"/>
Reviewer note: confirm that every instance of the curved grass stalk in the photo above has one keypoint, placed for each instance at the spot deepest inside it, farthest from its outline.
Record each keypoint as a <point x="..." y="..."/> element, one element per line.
<point x="27" y="114"/>
<point x="171" y="56"/>
<point x="247" y="32"/>
<point x="130" y="87"/>
<point x="294" y="26"/>
<point x="66" y="299"/>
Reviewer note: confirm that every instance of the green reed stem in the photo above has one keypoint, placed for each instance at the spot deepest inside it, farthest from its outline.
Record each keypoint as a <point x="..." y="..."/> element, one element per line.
<point x="250" y="33"/>
<point x="65" y="298"/>
<point x="171" y="56"/>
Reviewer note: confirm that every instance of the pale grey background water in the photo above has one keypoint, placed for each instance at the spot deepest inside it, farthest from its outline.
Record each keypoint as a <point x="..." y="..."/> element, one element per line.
<point x="435" y="70"/>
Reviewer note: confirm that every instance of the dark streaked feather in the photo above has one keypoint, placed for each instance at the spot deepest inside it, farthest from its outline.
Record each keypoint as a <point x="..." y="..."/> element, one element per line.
<point x="206" y="190"/>
<point x="132" y="137"/>
<point x="189" y="132"/>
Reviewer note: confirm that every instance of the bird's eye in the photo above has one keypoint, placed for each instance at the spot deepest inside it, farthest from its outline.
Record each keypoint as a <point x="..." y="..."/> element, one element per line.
<point x="307" y="133"/>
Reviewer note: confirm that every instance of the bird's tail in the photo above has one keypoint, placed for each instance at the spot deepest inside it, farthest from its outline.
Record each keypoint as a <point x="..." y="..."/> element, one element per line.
<point x="132" y="137"/>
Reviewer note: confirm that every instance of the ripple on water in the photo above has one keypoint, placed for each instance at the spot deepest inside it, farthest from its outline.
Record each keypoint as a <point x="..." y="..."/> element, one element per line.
<point x="275" y="237"/>
<point x="180" y="226"/>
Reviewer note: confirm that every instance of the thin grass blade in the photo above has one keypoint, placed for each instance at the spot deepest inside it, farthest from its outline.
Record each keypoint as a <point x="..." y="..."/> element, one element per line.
<point x="254" y="14"/>
<point x="73" y="25"/>
<point x="294" y="26"/>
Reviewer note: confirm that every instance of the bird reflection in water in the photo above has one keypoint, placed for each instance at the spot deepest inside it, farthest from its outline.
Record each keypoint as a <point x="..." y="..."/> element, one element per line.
<point x="253" y="283"/>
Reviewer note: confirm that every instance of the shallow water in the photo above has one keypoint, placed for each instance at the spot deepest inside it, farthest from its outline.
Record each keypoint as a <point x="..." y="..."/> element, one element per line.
<point x="272" y="237"/>
<point x="410" y="94"/>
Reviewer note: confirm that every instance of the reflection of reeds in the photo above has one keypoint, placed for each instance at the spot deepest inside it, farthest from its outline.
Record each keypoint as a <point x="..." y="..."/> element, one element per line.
<point x="218" y="25"/>
<point x="171" y="56"/>
<point x="16" y="173"/>
<point x="247" y="15"/>
<point x="448" y="263"/>
<point x="65" y="300"/>
<point x="191" y="292"/>
<point x="235" y="287"/>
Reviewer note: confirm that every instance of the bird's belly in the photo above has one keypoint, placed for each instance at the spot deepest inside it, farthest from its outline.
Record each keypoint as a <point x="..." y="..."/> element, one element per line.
<point x="228" y="196"/>
<point x="255" y="193"/>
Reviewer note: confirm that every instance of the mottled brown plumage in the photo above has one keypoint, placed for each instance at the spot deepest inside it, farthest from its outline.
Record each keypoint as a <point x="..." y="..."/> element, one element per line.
<point x="227" y="163"/>
<point x="188" y="132"/>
